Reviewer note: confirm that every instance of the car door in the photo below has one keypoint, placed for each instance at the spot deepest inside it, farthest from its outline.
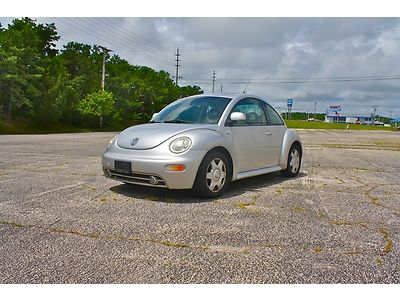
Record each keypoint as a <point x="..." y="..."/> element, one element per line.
<point x="249" y="137"/>
<point x="275" y="130"/>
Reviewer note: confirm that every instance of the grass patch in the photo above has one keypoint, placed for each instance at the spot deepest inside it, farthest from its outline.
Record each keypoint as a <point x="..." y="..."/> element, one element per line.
<point x="244" y="205"/>
<point x="14" y="224"/>
<point x="74" y="232"/>
<point x="389" y="243"/>
<point x="324" y="125"/>
<point x="298" y="209"/>
<point x="374" y="199"/>
<point x="344" y="222"/>
<point x="317" y="249"/>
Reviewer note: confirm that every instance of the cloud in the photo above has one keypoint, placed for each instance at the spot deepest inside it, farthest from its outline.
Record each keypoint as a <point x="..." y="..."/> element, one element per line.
<point x="251" y="49"/>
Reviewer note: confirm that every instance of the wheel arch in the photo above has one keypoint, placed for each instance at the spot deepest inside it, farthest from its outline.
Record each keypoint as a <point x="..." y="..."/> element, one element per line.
<point x="198" y="185"/>
<point x="228" y="156"/>
<point x="291" y="138"/>
<point x="300" y="147"/>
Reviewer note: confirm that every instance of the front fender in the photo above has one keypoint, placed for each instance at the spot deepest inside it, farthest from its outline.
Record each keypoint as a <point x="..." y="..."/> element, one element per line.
<point x="207" y="139"/>
<point x="291" y="136"/>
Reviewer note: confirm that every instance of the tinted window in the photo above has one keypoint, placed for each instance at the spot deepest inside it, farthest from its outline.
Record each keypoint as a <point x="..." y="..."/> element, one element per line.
<point x="272" y="116"/>
<point x="253" y="110"/>
<point x="201" y="110"/>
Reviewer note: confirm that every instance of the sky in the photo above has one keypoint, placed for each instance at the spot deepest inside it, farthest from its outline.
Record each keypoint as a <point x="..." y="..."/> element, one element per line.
<point x="351" y="62"/>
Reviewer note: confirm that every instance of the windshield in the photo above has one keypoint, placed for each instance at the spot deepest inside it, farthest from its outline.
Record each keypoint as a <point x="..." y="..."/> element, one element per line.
<point x="201" y="110"/>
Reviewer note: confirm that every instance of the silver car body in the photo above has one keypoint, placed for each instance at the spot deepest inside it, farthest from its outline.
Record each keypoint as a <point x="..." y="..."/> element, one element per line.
<point x="253" y="150"/>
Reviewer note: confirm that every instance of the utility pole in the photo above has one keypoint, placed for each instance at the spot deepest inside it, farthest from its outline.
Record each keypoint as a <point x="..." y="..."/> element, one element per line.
<point x="373" y="116"/>
<point x="103" y="73"/>
<point x="390" y="114"/>
<point x="221" y="88"/>
<point x="315" y="109"/>
<point x="213" y="78"/>
<point x="177" y="67"/>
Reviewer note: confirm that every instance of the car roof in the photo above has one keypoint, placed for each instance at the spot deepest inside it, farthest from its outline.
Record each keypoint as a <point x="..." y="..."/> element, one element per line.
<point x="231" y="96"/>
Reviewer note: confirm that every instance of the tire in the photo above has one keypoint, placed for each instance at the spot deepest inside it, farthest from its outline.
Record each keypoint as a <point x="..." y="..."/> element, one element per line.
<point x="213" y="176"/>
<point x="293" y="161"/>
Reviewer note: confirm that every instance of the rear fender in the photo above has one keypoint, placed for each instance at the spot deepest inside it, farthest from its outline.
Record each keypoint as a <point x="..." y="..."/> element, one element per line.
<point x="291" y="136"/>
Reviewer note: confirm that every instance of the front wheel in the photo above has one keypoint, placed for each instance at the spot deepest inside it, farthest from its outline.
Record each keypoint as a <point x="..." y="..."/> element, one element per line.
<point x="213" y="176"/>
<point x="293" y="162"/>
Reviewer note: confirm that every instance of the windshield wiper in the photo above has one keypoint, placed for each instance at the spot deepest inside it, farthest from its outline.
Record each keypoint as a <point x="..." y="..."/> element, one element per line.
<point x="155" y="122"/>
<point x="178" y="121"/>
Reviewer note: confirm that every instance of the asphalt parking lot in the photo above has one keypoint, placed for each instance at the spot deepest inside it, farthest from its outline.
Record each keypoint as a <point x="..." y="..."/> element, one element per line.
<point x="61" y="221"/>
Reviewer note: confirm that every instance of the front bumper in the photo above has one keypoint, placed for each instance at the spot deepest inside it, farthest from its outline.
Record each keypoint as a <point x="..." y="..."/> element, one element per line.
<point x="151" y="163"/>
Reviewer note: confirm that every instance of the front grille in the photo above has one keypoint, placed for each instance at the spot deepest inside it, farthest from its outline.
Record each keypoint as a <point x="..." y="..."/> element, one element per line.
<point x="137" y="178"/>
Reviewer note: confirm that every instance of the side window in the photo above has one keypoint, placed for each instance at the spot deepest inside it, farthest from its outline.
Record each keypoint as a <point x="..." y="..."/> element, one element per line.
<point x="272" y="116"/>
<point x="253" y="110"/>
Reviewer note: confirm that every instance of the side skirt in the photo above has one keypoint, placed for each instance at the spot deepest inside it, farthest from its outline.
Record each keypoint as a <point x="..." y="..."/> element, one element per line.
<point x="256" y="172"/>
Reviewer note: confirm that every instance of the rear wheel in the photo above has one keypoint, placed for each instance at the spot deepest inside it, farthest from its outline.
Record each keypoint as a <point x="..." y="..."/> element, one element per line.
<point x="293" y="162"/>
<point x="213" y="176"/>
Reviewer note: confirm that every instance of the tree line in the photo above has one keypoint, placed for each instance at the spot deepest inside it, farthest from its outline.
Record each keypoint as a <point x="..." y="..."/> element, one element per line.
<point x="43" y="86"/>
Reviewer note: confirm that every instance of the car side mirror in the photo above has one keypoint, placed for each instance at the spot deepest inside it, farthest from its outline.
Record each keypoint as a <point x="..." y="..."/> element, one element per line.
<point x="238" y="116"/>
<point x="154" y="115"/>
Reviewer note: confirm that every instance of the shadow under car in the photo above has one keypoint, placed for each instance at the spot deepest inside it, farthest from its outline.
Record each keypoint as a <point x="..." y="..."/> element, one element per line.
<point x="235" y="188"/>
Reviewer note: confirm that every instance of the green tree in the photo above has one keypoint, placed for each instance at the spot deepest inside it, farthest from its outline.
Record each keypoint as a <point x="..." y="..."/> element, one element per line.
<point x="23" y="46"/>
<point x="43" y="85"/>
<point x="190" y="90"/>
<point x="98" y="104"/>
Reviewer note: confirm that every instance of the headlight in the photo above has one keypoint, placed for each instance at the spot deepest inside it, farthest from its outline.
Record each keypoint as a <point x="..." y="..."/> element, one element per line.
<point x="112" y="141"/>
<point x="180" y="145"/>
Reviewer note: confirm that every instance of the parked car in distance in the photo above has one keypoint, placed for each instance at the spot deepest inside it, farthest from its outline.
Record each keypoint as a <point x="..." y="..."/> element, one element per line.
<point x="203" y="143"/>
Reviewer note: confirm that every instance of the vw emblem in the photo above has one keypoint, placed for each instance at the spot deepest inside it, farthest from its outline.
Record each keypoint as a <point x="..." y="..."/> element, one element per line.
<point x="134" y="141"/>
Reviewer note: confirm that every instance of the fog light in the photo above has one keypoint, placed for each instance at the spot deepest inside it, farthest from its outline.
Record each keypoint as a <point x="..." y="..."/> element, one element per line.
<point x="153" y="180"/>
<point x="175" y="168"/>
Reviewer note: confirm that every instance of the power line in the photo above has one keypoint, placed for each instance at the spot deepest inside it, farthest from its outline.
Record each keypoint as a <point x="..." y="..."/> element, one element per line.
<point x="129" y="36"/>
<point x="148" y="43"/>
<point x="274" y="81"/>
<point x="112" y="41"/>
<point x="123" y="41"/>
<point x="310" y="78"/>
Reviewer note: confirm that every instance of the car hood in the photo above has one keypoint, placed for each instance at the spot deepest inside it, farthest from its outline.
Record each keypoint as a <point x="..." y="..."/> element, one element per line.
<point x="147" y="136"/>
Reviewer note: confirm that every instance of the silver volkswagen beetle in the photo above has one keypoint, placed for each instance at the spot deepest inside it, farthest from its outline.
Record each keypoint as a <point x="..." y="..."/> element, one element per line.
<point x="203" y="143"/>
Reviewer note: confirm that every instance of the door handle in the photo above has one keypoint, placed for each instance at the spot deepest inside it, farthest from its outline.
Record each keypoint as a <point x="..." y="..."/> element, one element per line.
<point x="268" y="133"/>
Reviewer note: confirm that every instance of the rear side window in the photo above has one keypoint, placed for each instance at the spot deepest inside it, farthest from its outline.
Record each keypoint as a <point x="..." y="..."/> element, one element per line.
<point x="273" y="117"/>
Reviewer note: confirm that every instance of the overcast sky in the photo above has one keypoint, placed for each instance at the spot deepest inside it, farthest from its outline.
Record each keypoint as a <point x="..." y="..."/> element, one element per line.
<point x="276" y="58"/>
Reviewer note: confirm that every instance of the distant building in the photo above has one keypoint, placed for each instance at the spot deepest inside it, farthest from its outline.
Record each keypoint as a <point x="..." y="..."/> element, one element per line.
<point x="341" y="118"/>
<point x="334" y="115"/>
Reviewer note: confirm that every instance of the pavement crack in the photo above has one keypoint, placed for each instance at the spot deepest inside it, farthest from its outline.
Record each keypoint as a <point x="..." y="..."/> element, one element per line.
<point x="58" y="189"/>
<point x="93" y="235"/>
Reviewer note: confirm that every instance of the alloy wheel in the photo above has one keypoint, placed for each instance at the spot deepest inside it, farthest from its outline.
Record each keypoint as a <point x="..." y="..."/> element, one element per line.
<point x="216" y="175"/>
<point x="294" y="161"/>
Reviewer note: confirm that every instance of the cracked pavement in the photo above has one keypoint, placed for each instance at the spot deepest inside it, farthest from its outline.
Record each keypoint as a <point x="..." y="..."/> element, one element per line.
<point x="61" y="221"/>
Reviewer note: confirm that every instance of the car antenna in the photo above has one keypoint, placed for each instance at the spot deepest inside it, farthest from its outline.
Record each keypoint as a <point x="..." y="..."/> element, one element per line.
<point x="245" y="89"/>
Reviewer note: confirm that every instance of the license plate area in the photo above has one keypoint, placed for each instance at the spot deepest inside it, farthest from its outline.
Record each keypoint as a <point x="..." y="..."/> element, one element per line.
<point x="123" y="166"/>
